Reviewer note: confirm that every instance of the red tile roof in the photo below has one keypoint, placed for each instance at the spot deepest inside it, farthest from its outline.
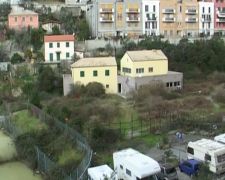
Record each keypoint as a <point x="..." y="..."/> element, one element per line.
<point x="57" y="38"/>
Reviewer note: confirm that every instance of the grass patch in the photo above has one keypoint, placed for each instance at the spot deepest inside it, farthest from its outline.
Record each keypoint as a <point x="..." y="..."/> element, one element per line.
<point x="69" y="154"/>
<point x="26" y="122"/>
<point x="150" y="140"/>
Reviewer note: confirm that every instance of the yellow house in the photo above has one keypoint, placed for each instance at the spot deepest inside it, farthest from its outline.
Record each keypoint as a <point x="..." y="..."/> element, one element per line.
<point x="98" y="69"/>
<point x="144" y="63"/>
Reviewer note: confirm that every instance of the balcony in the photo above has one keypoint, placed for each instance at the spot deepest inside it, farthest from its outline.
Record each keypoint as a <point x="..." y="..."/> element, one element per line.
<point x="106" y="10"/>
<point x="220" y="14"/>
<point x="169" y="19"/>
<point x="133" y="19"/>
<point x="206" y="20"/>
<point x="150" y="19"/>
<point x="168" y="11"/>
<point x="220" y="20"/>
<point x="106" y="19"/>
<point x="191" y="11"/>
<point x="191" y="20"/>
<point x="133" y="10"/>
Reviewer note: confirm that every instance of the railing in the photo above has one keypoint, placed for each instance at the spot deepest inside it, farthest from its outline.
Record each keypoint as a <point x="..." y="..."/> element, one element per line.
<point x="168" y="11"/>
<point x="107" y="19"/>
<point x="191" y="11"/>
<point x="191" y="20"/>
<point x="168" y="19"/>
<point x="133" y="19"/>
<point x="132" y="10"/>
<point x="106" y="10"/>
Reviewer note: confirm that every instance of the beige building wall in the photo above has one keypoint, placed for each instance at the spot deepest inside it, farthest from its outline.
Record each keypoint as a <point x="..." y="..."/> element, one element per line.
<point x="150" y="67"/>
<point x="109" y="82"/>
<point x="179" y="18"/>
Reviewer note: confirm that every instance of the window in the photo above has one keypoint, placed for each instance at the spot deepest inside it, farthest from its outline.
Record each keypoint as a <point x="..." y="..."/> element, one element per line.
<point x="126" y="70"/>
<point x="207" y="157"/>
<point x="95" y="73"/>
<point x="150" y="69"/>
<point x="82" y="74"/>
<point x="67" y="55"/>
<point x="106" y="72"/>
<point x="107" y="86"/>
<point x="58" y="45"/>
<point x="154" y="8"/>
<point x="146" y="8"/>
<point x="221" y="158"/>
<point x="128" y="172"/>
<point x="31" y="19"/>
<point x="67" y="44"/>
<point x="190" y="150"/>
<point x="139" y="70"/>
<point x="121" y="167"/>
<point x="203" y="9"/>
<point x="23" y="19"/>
<point x="209" y="10"/>
<point x="171" y="84"/>
<point x="51" y="57"/>
<point x="180" y="8"/>
<point x="50" y="45"/>
<point x="167" y="84"/>
<point x="15" y="19"/>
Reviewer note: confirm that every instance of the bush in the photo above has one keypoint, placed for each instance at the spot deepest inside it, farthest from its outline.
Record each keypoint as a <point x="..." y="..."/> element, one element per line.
<point x="219" y="96"/>
<point x="95" y="89"/>
<point x="16" y="58"/>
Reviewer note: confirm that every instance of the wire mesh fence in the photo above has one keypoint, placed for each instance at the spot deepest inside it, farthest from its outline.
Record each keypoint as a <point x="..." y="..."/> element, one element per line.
<point x="44" y="163"/>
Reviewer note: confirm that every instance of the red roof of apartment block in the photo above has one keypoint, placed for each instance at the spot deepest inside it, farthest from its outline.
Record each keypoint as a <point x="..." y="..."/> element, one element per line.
<point x="57" y="38"/>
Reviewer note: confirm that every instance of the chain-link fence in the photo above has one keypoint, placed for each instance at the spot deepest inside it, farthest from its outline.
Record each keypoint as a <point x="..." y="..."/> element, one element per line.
<point x="44" y="163"/>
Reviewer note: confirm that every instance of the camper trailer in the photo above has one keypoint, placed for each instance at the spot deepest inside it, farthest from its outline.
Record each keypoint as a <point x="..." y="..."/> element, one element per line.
<point x="220" y="138"/>
<point x="130" y="164"/>
<point x="209" y="151"/>
<point x="101" y="173"/>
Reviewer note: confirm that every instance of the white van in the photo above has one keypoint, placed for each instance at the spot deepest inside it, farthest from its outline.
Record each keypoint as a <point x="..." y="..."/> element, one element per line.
<point x="207" y="150"/>
<point x="220" y="138"/>
<point x="101" y="173"/>
<point x="130" y="164"/>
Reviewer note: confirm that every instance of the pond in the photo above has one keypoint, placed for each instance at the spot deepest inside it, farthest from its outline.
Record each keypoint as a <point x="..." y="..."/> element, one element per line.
<point x="12" y="170"/>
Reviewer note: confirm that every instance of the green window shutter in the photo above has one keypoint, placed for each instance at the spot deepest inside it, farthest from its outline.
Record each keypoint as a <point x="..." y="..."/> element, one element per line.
<point x="106" y="72"/>
<point x="51" y="57"/>
<point x="95" y="73"/>
<point x="82" y="74"/>
<point x="67" y="55"/>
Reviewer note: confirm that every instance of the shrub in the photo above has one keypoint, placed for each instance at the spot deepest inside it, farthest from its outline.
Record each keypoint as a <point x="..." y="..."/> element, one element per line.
<point x="16" y="58"/>
<point x="95" y="89"/>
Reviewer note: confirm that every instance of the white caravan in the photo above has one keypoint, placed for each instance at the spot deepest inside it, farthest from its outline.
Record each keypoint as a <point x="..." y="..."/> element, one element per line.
<point x="220" y="138"/>
<point x="130" y="164"/>
<point x="207" y="150"/>
<point x="101" y="173"/>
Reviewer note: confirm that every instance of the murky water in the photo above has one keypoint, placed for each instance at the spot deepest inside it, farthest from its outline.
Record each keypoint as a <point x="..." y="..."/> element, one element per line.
<point x="17" y="171"/>
<point x="7" y="148"/>
<point x="12" y="170"/>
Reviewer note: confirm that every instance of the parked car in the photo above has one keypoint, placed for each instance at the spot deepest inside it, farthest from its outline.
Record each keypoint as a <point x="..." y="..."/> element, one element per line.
<point x="189" y="167"/>
<point x="168" y="172"/>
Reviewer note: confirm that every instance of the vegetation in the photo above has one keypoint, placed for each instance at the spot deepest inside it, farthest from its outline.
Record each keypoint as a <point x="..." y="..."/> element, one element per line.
<point x="26" y="122"/>
<point x="16" y="58"/>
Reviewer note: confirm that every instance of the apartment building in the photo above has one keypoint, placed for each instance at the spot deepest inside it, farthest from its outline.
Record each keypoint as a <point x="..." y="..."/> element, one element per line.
<point x="150" y="17"/>
<point x="58" y="48"/>
<point x="109" y="18"/>
<point x="19" y="19"/>
<point x="179" y="18"/>
<point x="99" y="69"/>
<point x="206" y="18"/>
<point x="219" y="16"/>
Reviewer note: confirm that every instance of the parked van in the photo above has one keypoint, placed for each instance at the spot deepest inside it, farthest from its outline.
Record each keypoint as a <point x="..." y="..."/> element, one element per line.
<point x="220" y="138"/>
<point x="130" y="164"/>
<point x="101" y="173"/>
<point x="208" y="151"/>
<point x="189" y="167"/>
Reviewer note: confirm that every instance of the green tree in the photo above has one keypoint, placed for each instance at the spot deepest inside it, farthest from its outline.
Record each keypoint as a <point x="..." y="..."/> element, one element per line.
<point x="46" y="80"/>
<point x="5" y="9"/>
<point x="55" y="30"/>
<point x="16" y="58"/>
<point x="83" y="31"/>
<point x="37" y="36"/>
<point x="204" y="173"/>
